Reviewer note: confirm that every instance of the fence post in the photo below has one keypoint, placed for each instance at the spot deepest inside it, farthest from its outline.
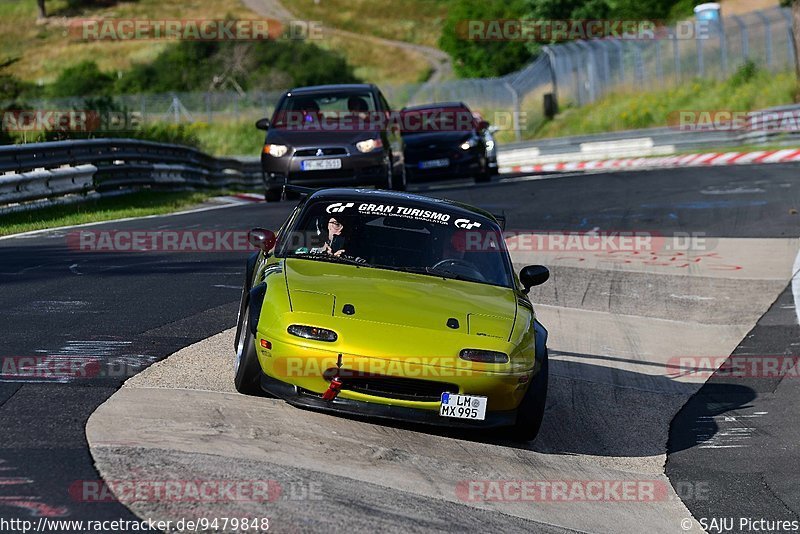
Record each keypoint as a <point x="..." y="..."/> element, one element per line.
<point x="515" y="105"/>
<point x="659" y="65"/>
<point x="606" y="66"/>
<point x="618" y="44"/>
<point x="699" y="45"/>
<point x="767" y="37"/>
<point x="591" y="69"/>
<point x="790" y="34"/>
<point x="744" y="36"/>
<point x="676" y="56"/>
<point x="552" y="65"/>
<point x="638" y="64"/>
<point x="723" y="47"/>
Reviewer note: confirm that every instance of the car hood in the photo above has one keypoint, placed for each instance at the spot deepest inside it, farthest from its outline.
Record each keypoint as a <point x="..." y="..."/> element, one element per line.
<point x="397" y="298"/>
<point x="315" y="138"/>
<point x="435" y="138"/>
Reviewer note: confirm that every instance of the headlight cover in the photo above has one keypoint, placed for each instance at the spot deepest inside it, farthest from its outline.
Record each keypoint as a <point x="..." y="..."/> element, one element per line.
<point x="276" y="151"/>
<point x="469" y="143"/>
<point x="369" y="145"/>
<point x="483" y="356"/>
<point x="312" y="332"/>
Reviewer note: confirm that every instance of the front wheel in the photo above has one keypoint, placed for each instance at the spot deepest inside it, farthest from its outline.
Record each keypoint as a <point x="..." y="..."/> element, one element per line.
<point x="247" y="370"/>
<point x="531" y="410"/>
<point x="400" y="183"/>
<point x="485" y="174"/>
<point x="273" y="194"/>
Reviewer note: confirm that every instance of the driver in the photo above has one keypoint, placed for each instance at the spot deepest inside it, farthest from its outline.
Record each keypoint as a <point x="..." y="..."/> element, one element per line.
<point x="335" y="242"/>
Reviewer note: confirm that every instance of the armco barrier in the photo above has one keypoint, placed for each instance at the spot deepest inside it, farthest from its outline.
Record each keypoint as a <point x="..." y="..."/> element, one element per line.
<point x="663" y="141"/>
<point x="48" y="170"/>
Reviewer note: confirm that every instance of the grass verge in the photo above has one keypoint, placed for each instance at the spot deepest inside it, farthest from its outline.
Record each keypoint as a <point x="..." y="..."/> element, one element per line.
<point x="414" y="21"/>
<point x="628" y="110"/>
<point x="103" y="209"/>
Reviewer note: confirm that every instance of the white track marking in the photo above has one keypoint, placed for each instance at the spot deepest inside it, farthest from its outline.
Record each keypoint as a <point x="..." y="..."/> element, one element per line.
<point x="796" y="285"/>
<point x="33" y="233"/>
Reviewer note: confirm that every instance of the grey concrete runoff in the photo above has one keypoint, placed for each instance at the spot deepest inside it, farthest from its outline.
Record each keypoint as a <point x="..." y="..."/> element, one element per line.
<point x="614" y="331"/>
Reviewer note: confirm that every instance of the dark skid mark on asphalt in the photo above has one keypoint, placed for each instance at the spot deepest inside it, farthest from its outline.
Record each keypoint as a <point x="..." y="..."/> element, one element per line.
<point x="750" y="465"/>
<point x="159" y="302"/>
<point x="43" y="424"/>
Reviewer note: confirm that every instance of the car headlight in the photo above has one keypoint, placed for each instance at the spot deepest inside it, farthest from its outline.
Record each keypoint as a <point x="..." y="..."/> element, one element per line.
<point x="276" y="151"/>
<point x="484" y="356"/>
<point x="369" y="145"/>
<point x="312" y="332"/>
<point x="469" y="143"/>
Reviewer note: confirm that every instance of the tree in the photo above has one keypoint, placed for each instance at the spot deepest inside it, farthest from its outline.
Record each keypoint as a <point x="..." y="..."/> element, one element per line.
<point x="478" y="58"/>
<point x="42" y="10"/>
<point x="796" y="39"/>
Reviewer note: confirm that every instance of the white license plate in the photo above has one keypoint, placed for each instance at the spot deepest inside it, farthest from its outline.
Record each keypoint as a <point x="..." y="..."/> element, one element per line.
<point x="463" y="406"/>
<point x="434" y="163"/>
<point x="321" y="164"/>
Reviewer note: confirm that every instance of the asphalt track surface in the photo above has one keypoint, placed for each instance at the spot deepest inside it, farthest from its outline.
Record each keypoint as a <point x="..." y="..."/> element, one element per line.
<point x="142" y="307"/>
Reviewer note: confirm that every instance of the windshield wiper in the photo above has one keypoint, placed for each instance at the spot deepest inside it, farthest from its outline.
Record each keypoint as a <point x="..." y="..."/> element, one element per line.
<point x="429" y="272"/>
<point x="324" y="256"/>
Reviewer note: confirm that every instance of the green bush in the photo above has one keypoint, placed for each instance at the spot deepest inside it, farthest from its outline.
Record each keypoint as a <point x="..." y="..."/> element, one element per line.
<point x="193" y="66"/>
<point x="83" y="79"/>
<point x="744" y="74"/>
<point x="176" y="134"/>
<point x="478" y="59"/>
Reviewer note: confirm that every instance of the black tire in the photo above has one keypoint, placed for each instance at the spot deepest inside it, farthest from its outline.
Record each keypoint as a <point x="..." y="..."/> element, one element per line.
<point x="400" y="183"/>
<point x="273" y="194"/>
<point x="531" y="410"/>
<point x="247" y="370"/>
<point x="484" y="176"/>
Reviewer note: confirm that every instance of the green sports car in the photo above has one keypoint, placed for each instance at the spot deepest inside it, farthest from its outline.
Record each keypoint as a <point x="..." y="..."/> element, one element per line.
<point x="396" y="306"/>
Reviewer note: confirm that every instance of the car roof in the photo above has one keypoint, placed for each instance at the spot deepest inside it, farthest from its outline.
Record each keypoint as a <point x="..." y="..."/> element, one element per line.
<point x="378" y="195"/>
<point x="437" y="105"/>
<point x="332" y="88"/>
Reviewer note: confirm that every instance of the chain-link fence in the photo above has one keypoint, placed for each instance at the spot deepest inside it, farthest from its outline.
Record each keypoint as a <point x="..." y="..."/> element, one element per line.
<point x="585" y="70"/>
<point x="576" y="73"/>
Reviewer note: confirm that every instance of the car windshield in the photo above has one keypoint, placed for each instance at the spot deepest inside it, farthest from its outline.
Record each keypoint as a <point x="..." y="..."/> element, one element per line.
<point x="314" y="107"/>
<point x="402" y="236"/>
<point x="445" y="119"/>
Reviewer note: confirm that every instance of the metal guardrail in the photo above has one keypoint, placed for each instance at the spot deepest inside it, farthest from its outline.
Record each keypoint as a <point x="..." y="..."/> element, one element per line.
<point x="39" y="171"/>
<point x="779" y="125"/>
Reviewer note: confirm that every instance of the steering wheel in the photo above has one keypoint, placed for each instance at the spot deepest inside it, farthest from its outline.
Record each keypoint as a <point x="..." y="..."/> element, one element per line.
<point x="469" y="267"/>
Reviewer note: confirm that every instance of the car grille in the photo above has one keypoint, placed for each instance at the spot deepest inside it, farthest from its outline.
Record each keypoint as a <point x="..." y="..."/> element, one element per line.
<point x="332" y="151"/>
<point x="394" y="387"/>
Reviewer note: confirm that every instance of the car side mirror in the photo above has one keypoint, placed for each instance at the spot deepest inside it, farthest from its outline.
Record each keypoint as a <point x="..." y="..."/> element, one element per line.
<point x="262" y="239"/>
<point x="533" y="275"/>
<point x="262" y="124"/>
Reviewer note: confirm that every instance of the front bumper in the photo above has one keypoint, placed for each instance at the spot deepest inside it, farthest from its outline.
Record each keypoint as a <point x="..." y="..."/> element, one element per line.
<point x="462" y="164"/>
<point x="302" y="398"/>
<point x="356" y="169"/>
